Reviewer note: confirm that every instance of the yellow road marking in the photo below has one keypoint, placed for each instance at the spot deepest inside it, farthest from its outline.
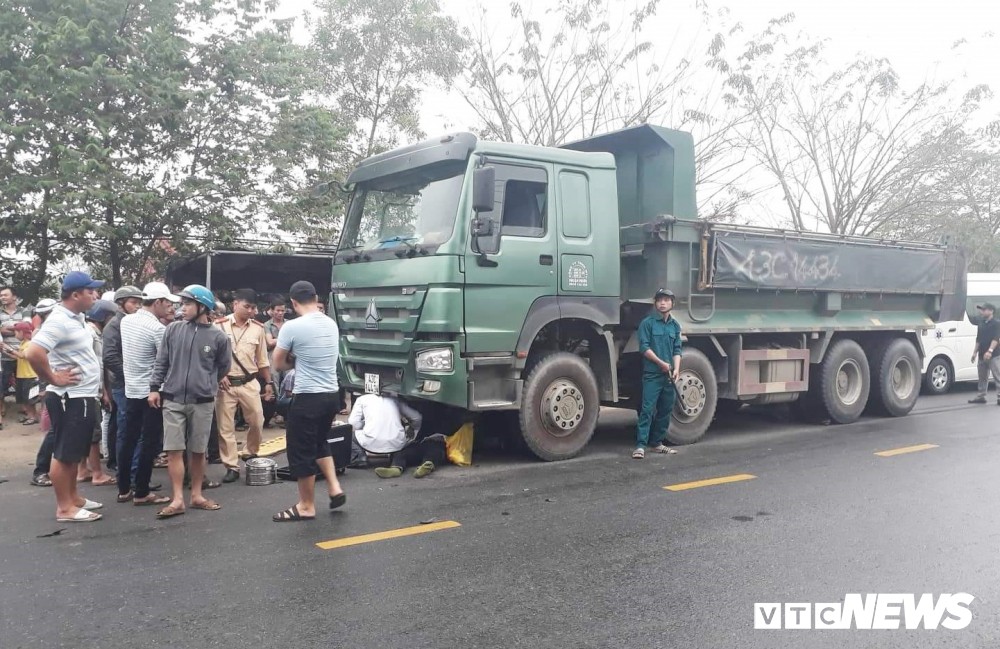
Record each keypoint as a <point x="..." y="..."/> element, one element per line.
<point x="906" y="449"/>
<point x="683" y="486"/>
<point x="272" y="446"/>
<point x="390" y="534"/>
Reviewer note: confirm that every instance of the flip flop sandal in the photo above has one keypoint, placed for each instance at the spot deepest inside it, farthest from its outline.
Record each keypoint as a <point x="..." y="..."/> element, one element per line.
<point x="31" y="421"/>
<point x="338" y="501"/>
<point x="81" y="516"/>
<point x="291" y="515"/>
<point x="108" y="481"/>
<point x="208" y="506"/>
<point x="155" y="500"/>
<point x="638" y="454"/>
<point x="124" y="498"/>
<point x="169" y="512"/>
<point x="91" y="505"/>
<point x="41" y="481"/>
<point x="89" y="478"/>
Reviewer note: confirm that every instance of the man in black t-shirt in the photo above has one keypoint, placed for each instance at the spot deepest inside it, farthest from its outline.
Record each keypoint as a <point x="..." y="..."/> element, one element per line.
<point x="987" y="339"/>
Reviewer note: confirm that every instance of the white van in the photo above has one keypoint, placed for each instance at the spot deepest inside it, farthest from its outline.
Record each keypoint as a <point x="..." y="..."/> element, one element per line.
<point x="948" y="347"/>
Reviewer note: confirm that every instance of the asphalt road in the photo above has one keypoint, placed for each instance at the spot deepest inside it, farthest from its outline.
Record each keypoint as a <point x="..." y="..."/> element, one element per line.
<point x="593" y="552"/>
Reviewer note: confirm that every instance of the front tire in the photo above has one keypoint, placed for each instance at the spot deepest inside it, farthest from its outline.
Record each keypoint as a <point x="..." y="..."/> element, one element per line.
<point x="939" y="377"/>
<point x="700" y="395"/>
<point x="559" y="407"/>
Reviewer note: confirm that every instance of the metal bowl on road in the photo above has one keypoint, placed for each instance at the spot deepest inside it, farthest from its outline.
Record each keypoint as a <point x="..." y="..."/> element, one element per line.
<point x="261" y="471"/>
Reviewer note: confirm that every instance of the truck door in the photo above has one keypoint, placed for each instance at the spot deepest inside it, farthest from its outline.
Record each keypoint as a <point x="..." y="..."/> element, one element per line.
<point x="520" y="258"/>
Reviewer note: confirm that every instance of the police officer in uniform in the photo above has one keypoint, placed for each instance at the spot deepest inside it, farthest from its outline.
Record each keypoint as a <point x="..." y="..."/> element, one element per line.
<point x="241" y="387"/>
<point x="660" y="346"/>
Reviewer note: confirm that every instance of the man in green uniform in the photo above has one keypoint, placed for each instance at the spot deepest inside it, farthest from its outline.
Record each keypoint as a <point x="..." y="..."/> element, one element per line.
<point x="660" y="346"/>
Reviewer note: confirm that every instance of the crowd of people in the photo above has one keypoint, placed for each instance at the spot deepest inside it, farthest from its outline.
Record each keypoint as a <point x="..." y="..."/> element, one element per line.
<point x="148" y="377"/>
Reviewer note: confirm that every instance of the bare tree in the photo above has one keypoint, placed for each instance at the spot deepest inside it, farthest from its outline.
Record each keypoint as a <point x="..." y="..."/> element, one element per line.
<point x="851" y="151"/>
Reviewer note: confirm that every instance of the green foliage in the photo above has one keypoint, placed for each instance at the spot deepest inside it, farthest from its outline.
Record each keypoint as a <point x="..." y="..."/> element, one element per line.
<point x="132" y="128"/>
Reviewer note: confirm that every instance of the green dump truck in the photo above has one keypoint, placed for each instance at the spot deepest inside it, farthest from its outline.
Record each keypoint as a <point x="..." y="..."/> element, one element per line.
<point x="509" y="280"/>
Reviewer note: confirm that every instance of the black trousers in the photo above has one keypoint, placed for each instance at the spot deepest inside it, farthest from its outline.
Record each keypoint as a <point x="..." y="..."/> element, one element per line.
<point x="143" y="430"/>
<point x="428" y="450"/>
<point x="308" y="422"/>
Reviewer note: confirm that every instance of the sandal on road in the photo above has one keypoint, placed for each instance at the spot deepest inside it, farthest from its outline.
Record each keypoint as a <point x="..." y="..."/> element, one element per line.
<point x="291" y="515"/>
<point x="207" y="505"/>
<point x="41" y="480"/>
<point x="91" y="505"/>
<point x="151" y="499"/>
<point x="638" y="454"/>
<point x="106" y="482"/>
<point x="338" y="501"/>
<point x="124" y="498"/>
<point x="81" y="516"/>
<point x="31" y="421"/>
<point x="169" y="512"/>
<point x="663" y="448"/>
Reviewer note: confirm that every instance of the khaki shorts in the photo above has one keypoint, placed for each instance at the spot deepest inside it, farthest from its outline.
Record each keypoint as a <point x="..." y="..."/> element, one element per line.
<point x="187" y="426"/>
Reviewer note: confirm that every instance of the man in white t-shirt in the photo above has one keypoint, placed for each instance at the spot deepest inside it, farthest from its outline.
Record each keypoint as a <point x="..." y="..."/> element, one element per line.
<point x="380" y="426"/>
<point x="62" y="354"/>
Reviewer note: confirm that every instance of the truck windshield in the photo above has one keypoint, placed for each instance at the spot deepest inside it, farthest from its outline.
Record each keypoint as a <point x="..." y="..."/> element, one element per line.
<point x="415" y="210"/>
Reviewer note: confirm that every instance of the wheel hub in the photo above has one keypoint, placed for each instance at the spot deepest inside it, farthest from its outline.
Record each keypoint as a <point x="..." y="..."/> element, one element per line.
<point x="562" y="407"/>
<point x="903" y="378"/>
<point x="849" y="382"/>
<point x="692" y="397"/>
<point x="939" y="377"/>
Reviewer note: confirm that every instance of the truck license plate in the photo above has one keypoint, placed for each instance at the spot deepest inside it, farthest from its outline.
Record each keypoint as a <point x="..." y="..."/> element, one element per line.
<point x="371" y="383"/>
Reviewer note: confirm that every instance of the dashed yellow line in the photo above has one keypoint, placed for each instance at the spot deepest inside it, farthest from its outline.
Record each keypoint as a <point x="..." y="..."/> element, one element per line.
<point x="906" y="449"/>
<point x="390" y="534"/>
<point x="684" y="486"/>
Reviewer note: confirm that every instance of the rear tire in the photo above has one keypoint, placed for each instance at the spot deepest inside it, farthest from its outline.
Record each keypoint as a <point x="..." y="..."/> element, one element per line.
<point x="895" y="378"/>
<point x="700" y="392"/>
<point x="559" y="406"/>
<point x="939" y="377"/>
<point x="844" y="382"/>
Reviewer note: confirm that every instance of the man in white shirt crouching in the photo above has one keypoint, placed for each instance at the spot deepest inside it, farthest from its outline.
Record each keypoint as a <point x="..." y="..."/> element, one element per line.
<point x="378" y="423"/>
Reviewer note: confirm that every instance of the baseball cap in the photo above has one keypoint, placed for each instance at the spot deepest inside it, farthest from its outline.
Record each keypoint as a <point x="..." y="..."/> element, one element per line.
<point x="302" y="291"/>
<point x="77" y="279"/>
<point x="45" y="306"/>
<point x="986" y="305"/>
<point x="663" y="292"/>
<point x="158" y="291"/>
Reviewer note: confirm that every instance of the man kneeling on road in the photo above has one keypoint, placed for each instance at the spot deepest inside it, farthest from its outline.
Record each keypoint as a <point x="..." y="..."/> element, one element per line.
<point x="378" y="428"/>
<point x="660" y="346"/>
<point x="193" y="359"/>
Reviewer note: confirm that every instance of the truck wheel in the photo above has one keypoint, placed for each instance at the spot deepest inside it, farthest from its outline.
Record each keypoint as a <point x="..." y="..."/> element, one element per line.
<point x="559" y="406"/>
<point x="939" y="377"/>
<point x="844" y="381"/>
<point x="895" y="378"/>
<point x="700" y="394"/>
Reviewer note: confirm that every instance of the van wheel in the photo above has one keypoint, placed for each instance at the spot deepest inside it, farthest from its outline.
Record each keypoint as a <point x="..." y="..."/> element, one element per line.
<point x="939" y="377"/>
<point x="559" y="406"/>
<point x="844" y="381"/>
<point x="895" y="378"/>
<point x="699" y="392"/>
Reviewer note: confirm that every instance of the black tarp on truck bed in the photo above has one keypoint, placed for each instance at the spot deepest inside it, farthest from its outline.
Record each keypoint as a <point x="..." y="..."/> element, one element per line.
<point x="743" y="259"/>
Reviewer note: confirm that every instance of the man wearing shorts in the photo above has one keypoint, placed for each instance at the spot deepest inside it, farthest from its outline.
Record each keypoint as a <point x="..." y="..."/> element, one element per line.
<point x="192" y="360"/>
<point x="313" y="339"/>
<point x="62" y="354"/>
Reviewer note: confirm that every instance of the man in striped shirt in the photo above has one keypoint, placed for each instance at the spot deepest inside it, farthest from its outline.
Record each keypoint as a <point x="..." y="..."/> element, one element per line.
<point x="141" y="334"/>
<point x="62" y="354"/>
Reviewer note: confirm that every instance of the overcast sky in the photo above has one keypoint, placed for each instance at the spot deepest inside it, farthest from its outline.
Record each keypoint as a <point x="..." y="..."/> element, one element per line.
<point x="917" y="36"/>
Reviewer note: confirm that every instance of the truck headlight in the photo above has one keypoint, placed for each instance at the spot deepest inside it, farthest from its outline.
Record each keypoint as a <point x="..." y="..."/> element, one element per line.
<point x="435" y="360"/>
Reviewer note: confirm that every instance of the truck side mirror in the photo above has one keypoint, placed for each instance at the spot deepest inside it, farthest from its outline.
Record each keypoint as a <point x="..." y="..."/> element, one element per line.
<point x="483" y="187"/>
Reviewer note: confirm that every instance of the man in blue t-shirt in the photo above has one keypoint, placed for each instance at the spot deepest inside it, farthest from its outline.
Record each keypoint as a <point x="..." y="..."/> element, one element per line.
<point x="313" y="339"/>
<point x="660" y="346"/>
